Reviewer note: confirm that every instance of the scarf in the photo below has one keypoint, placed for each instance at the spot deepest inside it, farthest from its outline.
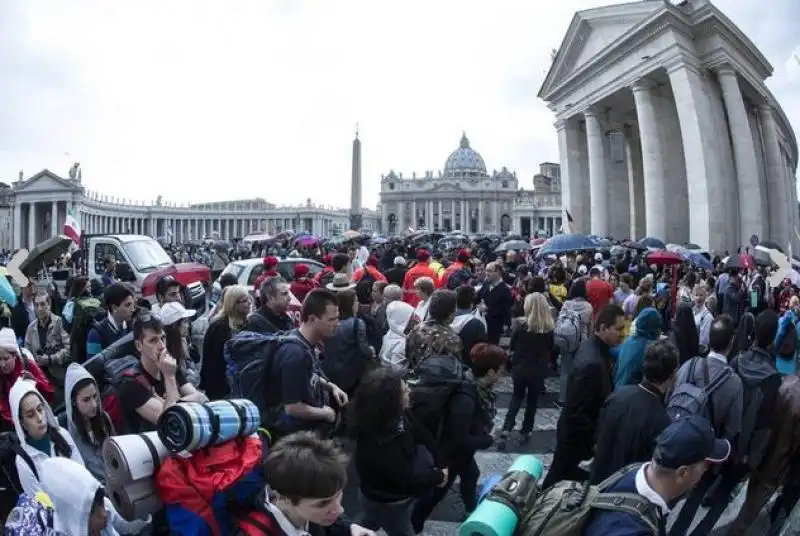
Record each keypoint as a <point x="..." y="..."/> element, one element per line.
<point x="486" y="399"/>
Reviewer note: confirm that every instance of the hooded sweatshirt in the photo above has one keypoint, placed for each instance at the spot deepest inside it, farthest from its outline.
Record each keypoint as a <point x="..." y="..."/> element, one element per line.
<point x="8" y="341"/>
<point x="26" y="477"/>
<point x="71" y="488"/>
<point x="393" y="350"/>
<point x="91" y="453"/>
<point x="628" y="370"/>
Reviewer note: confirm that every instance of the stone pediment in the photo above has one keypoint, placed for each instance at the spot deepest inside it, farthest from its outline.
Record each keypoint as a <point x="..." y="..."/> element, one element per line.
<point x="591" y="32"/>
<point x="44" y="181"/>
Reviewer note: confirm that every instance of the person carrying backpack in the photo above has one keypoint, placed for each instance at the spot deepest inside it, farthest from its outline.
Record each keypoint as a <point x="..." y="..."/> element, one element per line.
<point x="681" y="458"/>
<point x="709" y="387"/>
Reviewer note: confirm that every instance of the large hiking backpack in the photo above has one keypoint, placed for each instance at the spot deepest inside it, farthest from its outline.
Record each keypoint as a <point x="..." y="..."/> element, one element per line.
<point x="759" y="398"/>
<point x="568" y="332"/>
<point x="565" y="508"/>
<point x="86" y="312"/>
<point x="433" y="382"/>
<point x="688" y="399"/>
<point x="10" y="486"/>
<point x="249" y="357"/>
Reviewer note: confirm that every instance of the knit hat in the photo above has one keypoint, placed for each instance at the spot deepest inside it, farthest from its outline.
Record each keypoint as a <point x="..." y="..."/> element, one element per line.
<point x="423" y="255"/>
<point x="300" y="270"/>
<point x="8" y="340"/>
<point x="399" y="261"/>
<point x="270" y="262"/>
<point x="463" y="255"/>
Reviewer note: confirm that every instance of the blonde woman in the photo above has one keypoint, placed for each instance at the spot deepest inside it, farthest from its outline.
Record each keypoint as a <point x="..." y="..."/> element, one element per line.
<point x="230" y="319"/>
<point x="532" y="347"/>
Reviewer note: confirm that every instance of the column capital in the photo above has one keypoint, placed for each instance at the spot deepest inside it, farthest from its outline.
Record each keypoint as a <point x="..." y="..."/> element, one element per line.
<point x="680" y="63"/>
<point x="560" y="124"/>
<point x="725" y="70"/>
<point x="642" y="84"/>
<point x="590" y="112"/>
<point x="764" y="109"/>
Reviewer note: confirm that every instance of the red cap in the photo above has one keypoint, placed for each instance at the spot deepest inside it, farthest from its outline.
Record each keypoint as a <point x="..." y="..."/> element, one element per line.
<point x="300" y="270"/>
<point x="270" y="262"/>
<point x="423" y="255"/>
<point x="327" y="259"/>
<point x="463" y="255"/>
<point x="372" y="261"/>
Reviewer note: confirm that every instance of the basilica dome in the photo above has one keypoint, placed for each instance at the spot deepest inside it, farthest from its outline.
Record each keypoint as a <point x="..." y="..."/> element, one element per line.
<point x="464" y="162"/>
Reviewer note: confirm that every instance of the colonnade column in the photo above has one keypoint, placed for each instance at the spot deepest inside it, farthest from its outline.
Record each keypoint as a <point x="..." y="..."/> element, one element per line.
<point x="54" y="218"/>
<point x="480" y="215"/>
<point x="652" y="161"/>
<point x="780" y="220"/>
<point x="496" y="227"/>
<point x="441" y="215"/>
<point x="17" y="226"/>
<point x="598" y="181"/>
<point x="751" y="213"/>
<point x="636" y="195"/>
<point x="32" y="224"/>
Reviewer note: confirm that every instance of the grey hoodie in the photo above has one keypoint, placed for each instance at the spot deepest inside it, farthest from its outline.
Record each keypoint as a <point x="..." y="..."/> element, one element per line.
<point x="91" y="454"/>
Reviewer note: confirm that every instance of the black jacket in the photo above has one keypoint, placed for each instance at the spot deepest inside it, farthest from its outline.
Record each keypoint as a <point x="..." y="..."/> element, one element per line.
<point x="629" y="422"/>
<point x="499" y="303"/>
<point x="213" y="379"/>
<point x="589" y="385"/>
<point x="466" y="427"/>
<point x="390" y="464"/>
<point x="267" y="321"/>
<point x="531" y="353"/>
<point x="396" y="275"/>
<point x="471" y="331"/>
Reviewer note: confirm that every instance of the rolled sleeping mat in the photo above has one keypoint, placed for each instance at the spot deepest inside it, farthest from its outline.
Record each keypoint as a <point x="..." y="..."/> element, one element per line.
<point x="485" y="486"/>
<point x="189" y="426"/>
<point x="498" y="514"/>
<point x="136" y="500"/>
<point x="132" y="457"/>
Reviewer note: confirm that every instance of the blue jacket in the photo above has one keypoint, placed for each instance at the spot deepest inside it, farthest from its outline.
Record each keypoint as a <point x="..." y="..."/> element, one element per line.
<point x="610" y="523"/>
<point x="647" y="327"/>
<point x="786" y="366"/>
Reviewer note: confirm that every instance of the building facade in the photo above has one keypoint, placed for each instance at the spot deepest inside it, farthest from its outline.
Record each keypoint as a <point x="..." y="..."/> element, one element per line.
<point x="38" y="207"/>
<point x="667" y="129"/>
<point x="465" y="197"/>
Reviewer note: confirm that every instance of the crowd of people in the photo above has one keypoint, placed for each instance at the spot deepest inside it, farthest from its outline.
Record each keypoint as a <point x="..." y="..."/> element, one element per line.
<point x="396" y="355"/>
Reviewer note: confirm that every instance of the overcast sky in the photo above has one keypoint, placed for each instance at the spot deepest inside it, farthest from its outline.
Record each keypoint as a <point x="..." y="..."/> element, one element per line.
<point x="209" y="100"/>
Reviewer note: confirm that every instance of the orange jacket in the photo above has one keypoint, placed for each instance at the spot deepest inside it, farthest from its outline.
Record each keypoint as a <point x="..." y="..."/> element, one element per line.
<point x="421" y="269"/>
<point x="456" y="266"/>
<point x="376" y="275"/>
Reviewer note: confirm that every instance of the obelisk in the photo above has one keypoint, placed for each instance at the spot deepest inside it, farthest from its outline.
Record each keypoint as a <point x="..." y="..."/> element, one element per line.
<point x="355" y="186"/>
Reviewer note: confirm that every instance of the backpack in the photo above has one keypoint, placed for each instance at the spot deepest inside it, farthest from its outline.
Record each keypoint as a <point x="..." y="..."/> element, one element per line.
<point x="688" y="399"/>
<point x="433" y="382"/>
<point x="10" y="486"/>
<point x="86" y="312"/>
<point x="760" y="396"/>
<point x="118" y="365"/>
<point x="249" y="358"/>
<point x="788" y="345"/>
<point x="32" y="516"/>
<point x="564" y="509"/>
<point x="568" y="332"/>
<point x="458" y="278"/>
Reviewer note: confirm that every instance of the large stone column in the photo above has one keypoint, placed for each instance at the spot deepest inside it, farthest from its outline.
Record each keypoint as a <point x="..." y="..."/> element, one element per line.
<point x="779" y="200"/>
<point x="495" y="218"/>
<point x="574" y="197"/>
<point x="598" y="181"/>
<point x="17" y="225"/>
<point x="702" y="154"/>
<point x="33" y="224"/>
<point x="54" y="218"/>
<point x="636" y="195"/>
<point x="652" y="161"/>
<point x="751" y="218"/>
<point x="480" y="215"/>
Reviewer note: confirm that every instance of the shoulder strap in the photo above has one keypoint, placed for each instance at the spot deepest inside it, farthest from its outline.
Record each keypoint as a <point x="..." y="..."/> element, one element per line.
<point x="632" y="504"/>
<point x="22" y="453"/>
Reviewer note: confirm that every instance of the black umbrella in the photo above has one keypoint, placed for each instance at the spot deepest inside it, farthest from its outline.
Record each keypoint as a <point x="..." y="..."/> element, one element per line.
<point x="44" y="253"/>
<point x="514" y="245"/>
<point x="762" y="258"/>
<point x="771" y="244"/>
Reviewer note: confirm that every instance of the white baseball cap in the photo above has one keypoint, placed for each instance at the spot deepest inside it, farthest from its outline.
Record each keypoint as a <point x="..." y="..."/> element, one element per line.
<point x="172" y="312"/>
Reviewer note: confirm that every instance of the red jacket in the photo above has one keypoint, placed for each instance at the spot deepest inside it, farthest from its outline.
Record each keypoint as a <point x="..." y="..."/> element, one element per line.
<point x="301" y="287"/>
<point x="7" y="381"/>
<point x="376" y="275"/>
<point x="261" y="278"/>
<point x="421" y="269"/>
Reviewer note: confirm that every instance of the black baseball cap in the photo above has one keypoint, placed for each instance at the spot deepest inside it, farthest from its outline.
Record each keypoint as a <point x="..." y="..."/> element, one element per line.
<point x="688" y="441"/>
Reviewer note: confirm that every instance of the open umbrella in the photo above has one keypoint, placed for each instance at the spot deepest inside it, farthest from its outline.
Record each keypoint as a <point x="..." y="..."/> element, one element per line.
<point x="565" y="243"/>
<point x="351" y="234"/>
<point x="762" y="258"/>
<point x="44" y="253"/>
<point x="663" y="258"/>
<point x="307" y="241"/>
<point x="770" y="244"/>
<point x="650" y="242"/>
<point x="378" y="240"/>
<point x="513" y="245"/>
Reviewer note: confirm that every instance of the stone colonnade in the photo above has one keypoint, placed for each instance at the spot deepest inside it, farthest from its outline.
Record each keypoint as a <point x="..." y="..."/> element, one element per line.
<point x="705" y="165"/>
